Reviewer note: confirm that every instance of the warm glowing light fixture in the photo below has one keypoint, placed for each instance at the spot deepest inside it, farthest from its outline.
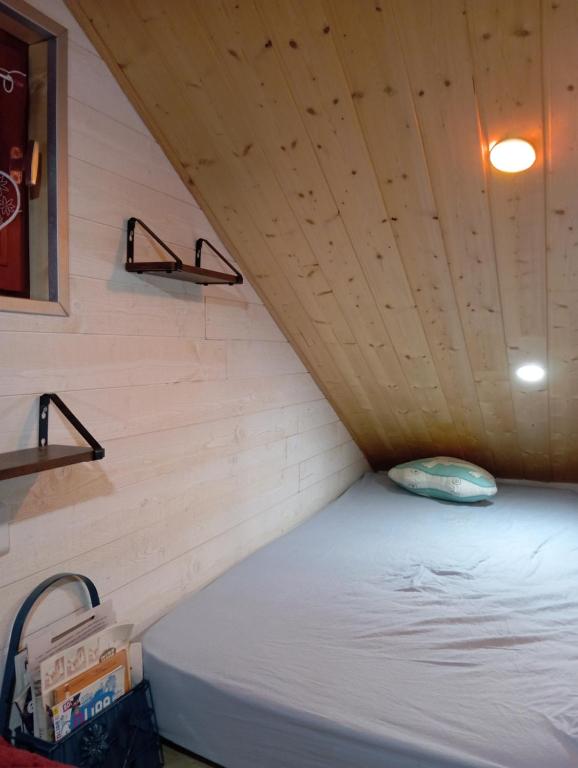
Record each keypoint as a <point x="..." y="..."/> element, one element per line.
<point x="512" y="155"/>
<point x="531" y="372"/>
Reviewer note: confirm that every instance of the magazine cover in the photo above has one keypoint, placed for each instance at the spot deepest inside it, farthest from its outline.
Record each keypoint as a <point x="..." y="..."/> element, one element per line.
<point x="71" y="661"/>
<point x="93" y="674"/>
<point x="90" y="701"/>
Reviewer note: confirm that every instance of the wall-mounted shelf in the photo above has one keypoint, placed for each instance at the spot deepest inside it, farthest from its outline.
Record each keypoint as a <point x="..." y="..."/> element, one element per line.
<point x="177" y="269"/>
<point x="31" y="460"/>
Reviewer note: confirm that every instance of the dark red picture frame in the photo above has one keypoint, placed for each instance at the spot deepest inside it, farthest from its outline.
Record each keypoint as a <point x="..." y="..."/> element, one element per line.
<point x="14" y="259"/>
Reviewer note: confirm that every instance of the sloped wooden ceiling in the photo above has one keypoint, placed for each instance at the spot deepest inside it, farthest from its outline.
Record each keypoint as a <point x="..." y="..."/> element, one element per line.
<point x="340" y="149"/>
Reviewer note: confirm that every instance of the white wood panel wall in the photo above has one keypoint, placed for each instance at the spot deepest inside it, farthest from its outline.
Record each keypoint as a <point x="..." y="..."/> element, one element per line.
<point x="217" y="439"/>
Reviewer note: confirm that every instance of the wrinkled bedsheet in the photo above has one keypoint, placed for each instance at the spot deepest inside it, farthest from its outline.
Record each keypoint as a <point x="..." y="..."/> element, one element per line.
<point x="388" y="631"/>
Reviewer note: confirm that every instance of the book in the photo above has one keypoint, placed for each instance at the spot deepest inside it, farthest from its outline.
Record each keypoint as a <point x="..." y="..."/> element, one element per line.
<point x="135" y="662"/>
<point x="82" y="705"/>
<point x="95" y="673"/>
<point x="71" y="660"/>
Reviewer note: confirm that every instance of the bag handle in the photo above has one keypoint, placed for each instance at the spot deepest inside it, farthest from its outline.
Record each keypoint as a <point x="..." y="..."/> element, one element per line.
<point x="9" y="680"/>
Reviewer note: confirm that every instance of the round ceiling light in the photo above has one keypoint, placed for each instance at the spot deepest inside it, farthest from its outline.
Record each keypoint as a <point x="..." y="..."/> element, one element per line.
<point x="532" y="372"/>
<point x="512" y="155"/>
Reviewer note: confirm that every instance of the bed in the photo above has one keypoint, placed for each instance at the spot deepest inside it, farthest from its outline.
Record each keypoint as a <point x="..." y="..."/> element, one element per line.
<point x="388" y="631"/>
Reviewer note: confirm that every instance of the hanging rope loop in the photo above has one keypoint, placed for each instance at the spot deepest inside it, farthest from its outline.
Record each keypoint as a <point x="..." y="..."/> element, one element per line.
<point x="6" y="75"/>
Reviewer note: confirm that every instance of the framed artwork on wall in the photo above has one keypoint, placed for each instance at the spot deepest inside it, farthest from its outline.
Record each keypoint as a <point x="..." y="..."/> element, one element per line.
<point x="33" y="161"/>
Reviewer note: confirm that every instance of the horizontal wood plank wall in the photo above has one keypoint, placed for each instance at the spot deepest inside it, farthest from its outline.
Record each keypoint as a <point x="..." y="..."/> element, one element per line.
<point x="217" y="438"/>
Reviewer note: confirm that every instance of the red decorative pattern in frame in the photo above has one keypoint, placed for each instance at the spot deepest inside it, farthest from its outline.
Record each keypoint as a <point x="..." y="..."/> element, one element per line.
<point x="9" y="200"/>
<point x="14" y="267"/>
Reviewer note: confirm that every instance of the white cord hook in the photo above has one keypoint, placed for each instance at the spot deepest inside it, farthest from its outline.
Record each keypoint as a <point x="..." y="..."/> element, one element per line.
<point x="8" y="80"/>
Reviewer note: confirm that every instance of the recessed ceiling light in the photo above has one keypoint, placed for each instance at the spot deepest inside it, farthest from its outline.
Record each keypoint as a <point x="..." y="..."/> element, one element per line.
<point x="531" y="372"/>
<point x="512" y="155"/>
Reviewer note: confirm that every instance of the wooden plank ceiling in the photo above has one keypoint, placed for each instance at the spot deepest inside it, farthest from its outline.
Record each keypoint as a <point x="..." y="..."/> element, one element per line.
<point x="340" y="149"/>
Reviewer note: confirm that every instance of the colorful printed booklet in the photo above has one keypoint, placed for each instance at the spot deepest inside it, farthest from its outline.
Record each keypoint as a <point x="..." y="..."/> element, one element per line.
<point x="71" y="661"/>
<point x="80" y="706"/>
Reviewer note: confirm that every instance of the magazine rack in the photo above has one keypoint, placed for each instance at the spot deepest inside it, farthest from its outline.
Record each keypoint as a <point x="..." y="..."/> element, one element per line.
<point x="124" y="735"/>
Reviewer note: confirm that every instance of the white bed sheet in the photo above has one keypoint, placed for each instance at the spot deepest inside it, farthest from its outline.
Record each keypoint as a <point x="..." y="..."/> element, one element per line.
<point x="388" y="631"/>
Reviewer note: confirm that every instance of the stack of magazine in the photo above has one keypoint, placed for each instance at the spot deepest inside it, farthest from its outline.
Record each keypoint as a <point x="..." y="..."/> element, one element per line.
<point x="71" y="672"/>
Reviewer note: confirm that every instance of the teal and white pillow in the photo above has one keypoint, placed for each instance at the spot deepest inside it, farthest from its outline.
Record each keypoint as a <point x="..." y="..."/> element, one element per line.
<point x="442" y="477"/>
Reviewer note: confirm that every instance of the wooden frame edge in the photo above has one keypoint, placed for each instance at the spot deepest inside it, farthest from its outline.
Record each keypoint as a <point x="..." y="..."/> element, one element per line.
<point x="59" y="306"/>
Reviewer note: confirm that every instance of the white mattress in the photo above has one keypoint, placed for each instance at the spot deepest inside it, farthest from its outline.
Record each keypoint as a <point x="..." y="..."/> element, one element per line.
<point x="388" y="631"/>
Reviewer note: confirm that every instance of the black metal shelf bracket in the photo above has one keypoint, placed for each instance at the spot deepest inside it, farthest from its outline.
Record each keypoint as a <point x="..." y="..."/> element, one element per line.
<point x="130" y="231"/>
<point x="45" y="400"/>
<point x="198" y="248"/>
<point x="176" y="268"/>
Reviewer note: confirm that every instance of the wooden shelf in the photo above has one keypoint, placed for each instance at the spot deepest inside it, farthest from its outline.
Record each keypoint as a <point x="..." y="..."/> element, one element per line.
<point x="32" y="460"/>
<point x="182" y="272"/>
<point x="177" y="269"/>
<point x="28" y="461"/>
